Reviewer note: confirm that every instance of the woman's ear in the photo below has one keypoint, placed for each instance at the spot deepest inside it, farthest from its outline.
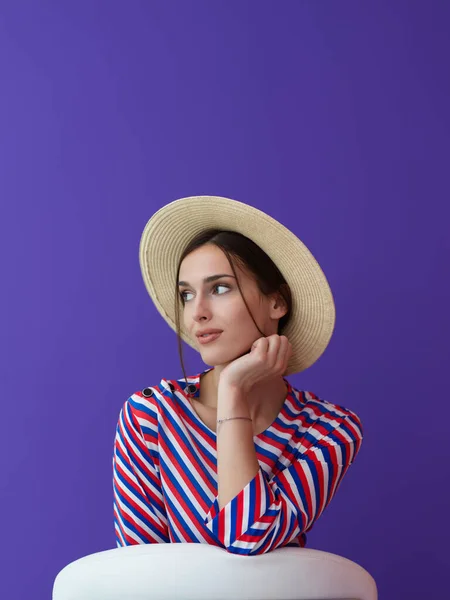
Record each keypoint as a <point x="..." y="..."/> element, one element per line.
<point x="278" y="306"/>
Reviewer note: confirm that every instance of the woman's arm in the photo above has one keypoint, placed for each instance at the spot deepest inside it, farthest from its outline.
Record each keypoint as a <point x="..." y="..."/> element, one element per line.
<point x="269" y="513"/>
<point x="237" y="463"/>
<point x="139" y="511"/>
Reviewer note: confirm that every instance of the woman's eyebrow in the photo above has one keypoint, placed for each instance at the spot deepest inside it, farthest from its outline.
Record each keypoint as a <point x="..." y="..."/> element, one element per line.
<point x="209" y="279"/>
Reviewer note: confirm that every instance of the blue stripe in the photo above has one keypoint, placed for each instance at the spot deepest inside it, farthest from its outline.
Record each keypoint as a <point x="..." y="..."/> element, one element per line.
<point x="126" y="518"/>
<point x="141" y="495"/>
<point x="177" y="456"/>
<point x="183" y="498"/>
<point x="130" y="461"/>
<point x="144" y="405"/>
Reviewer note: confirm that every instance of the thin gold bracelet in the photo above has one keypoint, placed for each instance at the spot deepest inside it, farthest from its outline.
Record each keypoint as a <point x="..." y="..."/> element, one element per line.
<point x="231" y="418"/>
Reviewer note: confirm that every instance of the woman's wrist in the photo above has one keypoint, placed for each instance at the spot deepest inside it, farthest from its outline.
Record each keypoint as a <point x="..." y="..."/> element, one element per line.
<point x="231" y="402"/>
<point x="232" y="388"/>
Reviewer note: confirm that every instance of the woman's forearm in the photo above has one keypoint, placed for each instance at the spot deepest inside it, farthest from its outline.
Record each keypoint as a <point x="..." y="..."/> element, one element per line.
<point x="237" y="463"/>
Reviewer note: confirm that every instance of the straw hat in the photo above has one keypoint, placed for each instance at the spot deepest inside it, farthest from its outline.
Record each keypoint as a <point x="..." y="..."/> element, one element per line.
<point x="172" y="227"/>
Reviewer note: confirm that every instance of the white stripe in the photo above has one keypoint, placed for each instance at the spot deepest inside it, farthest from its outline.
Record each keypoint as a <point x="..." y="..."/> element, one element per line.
<point x="336" y="466"/>
<point x="245" y="516"/>
<point x="187" y="427"/>
<point x="351" y="422"/>
<point x="289" y="483"/>
<point x="188" y="468"/>
<point x="227" y="515"/>
<point x="189" y="465"/>
<point x="123" y="509"/>
<point x="122" y="524"/>
<point x="345" y="434"/>
<point x="121" y="541"/>
<point x="325" y="477"/>
<point x="270" y="448"/>
<point x="155" y="490"/>
<point x="190" y="430"/>
<point x="193" y="526"/>
<point x="146" y="509"/>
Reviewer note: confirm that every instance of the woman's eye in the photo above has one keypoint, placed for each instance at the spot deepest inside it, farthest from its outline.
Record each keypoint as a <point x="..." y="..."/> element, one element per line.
<point x="218" y="285"/>
<point x="221" y="285"/>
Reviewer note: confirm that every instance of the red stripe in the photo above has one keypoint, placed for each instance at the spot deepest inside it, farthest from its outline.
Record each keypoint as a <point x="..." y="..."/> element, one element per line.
<point x="146" y="515"/>
<point x="132" y="434"/>
<point x="129" y="519"/>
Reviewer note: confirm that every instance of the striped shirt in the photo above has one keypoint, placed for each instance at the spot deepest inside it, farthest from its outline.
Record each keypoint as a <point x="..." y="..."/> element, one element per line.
<point x="165" y="472"/>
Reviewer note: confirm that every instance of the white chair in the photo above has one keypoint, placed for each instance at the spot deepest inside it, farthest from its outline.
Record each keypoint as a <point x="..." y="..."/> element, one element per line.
<point x="202" y="572"/>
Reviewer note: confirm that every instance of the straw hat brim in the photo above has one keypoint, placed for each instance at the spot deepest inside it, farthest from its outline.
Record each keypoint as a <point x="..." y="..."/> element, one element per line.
<point x="171" y="228"/>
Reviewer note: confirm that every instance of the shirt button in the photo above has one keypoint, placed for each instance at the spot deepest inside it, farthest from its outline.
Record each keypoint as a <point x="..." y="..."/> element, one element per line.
<point x="172" y="387"/>
<point x="191" y="388"/>
<point x="147" y="392"/>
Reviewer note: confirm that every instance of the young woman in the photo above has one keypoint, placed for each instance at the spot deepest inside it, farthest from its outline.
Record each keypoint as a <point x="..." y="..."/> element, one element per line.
<point x="234" y="456"/>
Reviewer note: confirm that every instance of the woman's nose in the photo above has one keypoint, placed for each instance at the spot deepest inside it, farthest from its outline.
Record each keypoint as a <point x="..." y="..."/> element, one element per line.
<point x="201" y="309"/>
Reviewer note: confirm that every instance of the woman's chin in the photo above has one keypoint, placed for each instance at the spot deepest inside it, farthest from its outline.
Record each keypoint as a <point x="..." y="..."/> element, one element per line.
<point x="214" y="357"/>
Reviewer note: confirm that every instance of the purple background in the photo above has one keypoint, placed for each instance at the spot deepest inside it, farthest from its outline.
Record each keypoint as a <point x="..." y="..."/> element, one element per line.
<point x="332" y="116"/>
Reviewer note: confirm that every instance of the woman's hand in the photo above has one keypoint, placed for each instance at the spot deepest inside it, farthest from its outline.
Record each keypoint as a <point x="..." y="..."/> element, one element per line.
<point x="268" y="357"/>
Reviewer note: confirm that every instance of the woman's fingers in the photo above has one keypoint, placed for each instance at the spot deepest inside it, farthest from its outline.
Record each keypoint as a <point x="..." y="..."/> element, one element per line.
<point x="284" y="353"/>
<point x="273" y="351"/>
<point x="277" y="352"/>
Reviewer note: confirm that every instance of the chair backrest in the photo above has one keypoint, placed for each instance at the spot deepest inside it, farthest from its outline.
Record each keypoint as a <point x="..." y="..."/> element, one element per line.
<point x="204" y="572"/>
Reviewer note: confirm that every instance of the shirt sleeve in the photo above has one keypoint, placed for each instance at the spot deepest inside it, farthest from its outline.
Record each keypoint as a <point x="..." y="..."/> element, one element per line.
<point x="139" y="510"/>
<point x="270" y="513"/>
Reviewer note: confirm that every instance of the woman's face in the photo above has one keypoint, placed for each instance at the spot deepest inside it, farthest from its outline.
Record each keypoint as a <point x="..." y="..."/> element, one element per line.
<point x="218" y="304"/>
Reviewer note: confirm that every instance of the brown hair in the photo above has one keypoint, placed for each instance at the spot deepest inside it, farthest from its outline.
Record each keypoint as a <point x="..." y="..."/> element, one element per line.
<point x="243" y="251"/>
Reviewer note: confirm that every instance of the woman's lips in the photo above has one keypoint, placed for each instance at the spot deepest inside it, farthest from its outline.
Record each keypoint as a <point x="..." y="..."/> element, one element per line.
<point x="210" y="337"/>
